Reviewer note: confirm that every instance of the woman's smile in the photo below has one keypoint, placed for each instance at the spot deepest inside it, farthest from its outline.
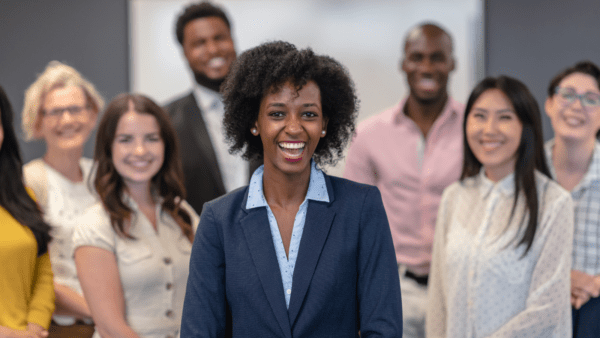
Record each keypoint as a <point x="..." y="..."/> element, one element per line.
<point x="290" y="124"/>
<point x="292" y="150"/>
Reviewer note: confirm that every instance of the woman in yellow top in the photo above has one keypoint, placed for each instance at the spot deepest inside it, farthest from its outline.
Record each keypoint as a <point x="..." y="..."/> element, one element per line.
<point x="26" y="289"/>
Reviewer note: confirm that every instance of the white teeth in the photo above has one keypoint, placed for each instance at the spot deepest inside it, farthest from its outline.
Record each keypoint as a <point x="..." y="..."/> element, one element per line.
<point x="427" y="84"/>
<point x="574" y="122"/>
<point x="139" y="164"/>
<point x="490" y="145"/>
<point x="67" y="133"/>
<point x="216" y="62"/>
<point x="290" y="145"/>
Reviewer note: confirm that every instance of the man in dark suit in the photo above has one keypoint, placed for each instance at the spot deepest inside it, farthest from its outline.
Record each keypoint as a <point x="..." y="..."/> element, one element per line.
<point x="204" y="32"/>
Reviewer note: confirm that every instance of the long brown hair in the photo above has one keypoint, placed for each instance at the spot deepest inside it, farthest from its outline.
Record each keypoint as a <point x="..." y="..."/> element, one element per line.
<point x="167" y="183"/>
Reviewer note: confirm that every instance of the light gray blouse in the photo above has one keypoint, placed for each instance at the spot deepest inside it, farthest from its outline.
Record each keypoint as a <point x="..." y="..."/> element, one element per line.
<point x="480" y="284"/>
<point x="153" y="268"/>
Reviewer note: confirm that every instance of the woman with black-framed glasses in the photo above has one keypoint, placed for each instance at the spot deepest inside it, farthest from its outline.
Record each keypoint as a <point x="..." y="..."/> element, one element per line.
<point x="573" y="106"/>
<point x="61" y="108"/>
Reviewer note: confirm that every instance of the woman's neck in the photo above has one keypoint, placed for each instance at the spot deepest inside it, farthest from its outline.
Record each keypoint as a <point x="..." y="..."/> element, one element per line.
<point x="572" y="156"/>
<point x="571" y="160"/>
<point x="141" y="194"/>
<point x="285" y="190"/>
<point x="66" y="162"/>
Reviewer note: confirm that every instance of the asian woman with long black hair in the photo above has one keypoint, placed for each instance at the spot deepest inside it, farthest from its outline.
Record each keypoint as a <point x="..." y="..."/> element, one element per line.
<point x="502" y="247"/>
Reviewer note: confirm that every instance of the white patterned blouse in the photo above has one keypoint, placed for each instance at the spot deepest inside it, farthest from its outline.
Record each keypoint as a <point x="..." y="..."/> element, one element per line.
<point x="480" y="284"/>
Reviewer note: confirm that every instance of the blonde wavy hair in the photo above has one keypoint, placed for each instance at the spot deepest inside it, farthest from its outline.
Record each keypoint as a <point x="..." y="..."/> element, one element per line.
<point x="56" y="75"/>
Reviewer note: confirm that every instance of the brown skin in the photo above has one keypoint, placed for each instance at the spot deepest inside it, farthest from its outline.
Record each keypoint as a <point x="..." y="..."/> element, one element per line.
<point x="427" y="56"/>
<point x="288" y="116"/>
<point x="205" y="39"/>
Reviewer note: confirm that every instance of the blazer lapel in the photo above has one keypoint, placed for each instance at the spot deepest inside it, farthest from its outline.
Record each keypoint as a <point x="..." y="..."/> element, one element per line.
<point x="319" y="218"/>
<point x="200" y="135"/>
<point x="258" y="236"/>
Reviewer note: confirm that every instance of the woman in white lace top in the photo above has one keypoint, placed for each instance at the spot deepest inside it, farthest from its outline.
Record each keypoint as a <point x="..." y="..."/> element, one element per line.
<point x="61" y="107"/>
<point x="502" y="247"/>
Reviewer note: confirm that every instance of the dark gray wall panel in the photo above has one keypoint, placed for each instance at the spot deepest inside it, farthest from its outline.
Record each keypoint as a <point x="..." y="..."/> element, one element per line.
<point x="533" y="40"/>
<point x="89" y="35"/>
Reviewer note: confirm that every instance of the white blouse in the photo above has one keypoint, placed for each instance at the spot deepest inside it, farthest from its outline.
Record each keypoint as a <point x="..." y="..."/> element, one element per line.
<point x="480" y="284"/>
<point x="153" y="268"/>
<point x="65" y="202"/>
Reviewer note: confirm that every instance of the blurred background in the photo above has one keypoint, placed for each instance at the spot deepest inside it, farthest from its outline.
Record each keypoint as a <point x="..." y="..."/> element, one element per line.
<point x="130" y="45"/>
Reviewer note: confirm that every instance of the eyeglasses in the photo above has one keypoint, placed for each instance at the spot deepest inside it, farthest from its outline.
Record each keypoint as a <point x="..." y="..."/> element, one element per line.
<point x="589" y="99"/>
<point x="58" y="112"/>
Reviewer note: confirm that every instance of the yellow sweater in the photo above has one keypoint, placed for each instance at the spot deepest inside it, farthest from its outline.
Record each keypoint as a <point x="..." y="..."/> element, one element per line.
<point x="26" y="287"/>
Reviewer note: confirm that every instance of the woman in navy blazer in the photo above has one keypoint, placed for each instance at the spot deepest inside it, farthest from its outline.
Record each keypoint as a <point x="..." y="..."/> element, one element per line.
<point x="297" y="253"/>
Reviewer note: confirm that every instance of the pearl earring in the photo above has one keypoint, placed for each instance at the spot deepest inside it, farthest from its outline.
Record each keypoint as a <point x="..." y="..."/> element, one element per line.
<point x="254" y="131"/>
<point x="323" y="132"/>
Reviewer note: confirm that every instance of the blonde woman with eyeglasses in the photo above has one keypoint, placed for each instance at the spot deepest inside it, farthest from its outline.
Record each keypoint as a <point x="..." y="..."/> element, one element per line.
<point x="61" y="108"/>
<point x="573" y="106"/>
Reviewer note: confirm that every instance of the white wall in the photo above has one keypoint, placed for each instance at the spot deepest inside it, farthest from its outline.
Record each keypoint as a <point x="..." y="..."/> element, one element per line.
<point x="365" y="36"/>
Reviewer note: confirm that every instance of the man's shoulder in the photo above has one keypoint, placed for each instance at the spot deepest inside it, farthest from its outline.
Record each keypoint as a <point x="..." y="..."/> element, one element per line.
<point x="181" y="107"/>
<point x="379" y="121"/>
<point x="180" y="101"/>
<point x="455" y="107"/>
<point x="455" y="104"/>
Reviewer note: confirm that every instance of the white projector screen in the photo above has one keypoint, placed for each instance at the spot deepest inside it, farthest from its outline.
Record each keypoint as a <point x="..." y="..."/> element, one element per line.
<point x="365" y="36"/>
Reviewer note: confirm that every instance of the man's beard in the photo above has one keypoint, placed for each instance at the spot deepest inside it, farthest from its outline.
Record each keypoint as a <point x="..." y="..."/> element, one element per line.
<point x="203" y="80"/>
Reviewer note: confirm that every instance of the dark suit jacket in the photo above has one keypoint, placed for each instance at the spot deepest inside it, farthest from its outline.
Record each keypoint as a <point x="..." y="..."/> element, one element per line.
<point x="203" y="180"/>
<point x="345" y="278"/>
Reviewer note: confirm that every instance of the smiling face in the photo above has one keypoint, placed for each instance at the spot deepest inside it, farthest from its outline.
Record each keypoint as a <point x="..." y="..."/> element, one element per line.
<point x="290" y="124"/>
<point x="138" y="149"/>
<point x="572" y="120"/>
<point x="208" y="47"/>
<point x="493" y="132"/>
<point x="66" y="120"/>
<point x="427" y="63"/>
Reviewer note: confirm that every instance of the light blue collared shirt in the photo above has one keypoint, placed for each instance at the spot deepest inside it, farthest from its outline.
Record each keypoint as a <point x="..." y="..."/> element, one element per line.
<point x="317" y="191"/>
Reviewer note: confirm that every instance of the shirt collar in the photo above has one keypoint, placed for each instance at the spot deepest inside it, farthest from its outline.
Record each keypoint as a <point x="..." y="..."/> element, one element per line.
<point x="317" y="188"/>
<point x="207" y="99"/>
<point x="506" y="186"/>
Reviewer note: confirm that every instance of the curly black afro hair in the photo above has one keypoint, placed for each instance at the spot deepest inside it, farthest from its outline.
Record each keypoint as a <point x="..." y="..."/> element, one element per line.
<point x="264" y="69"/>
<point x="198" y="11"/>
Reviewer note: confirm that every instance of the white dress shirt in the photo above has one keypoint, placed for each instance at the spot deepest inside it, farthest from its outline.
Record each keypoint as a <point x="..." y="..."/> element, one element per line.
<point x="480" y="284"/>
<point x="234" y="169"/>
<point x="153" y="268"/>
<point x="66" y="201"/>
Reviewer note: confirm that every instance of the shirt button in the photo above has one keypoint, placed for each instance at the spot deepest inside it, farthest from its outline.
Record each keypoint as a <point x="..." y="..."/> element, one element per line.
<point x="169" y="286"/>
<point x="167" y="260"/>
<point x="289" y="291"/>
<point x="169" y="313"/>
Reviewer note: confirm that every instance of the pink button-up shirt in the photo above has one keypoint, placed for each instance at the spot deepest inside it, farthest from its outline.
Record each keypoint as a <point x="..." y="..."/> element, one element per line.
<point x="390" y="152"/>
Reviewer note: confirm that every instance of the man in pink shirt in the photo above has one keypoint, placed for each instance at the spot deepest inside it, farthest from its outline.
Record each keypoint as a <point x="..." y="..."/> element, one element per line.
<point x="411" y="152"/>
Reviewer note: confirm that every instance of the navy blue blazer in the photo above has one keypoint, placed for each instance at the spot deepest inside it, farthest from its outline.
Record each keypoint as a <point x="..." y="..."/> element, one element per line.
<point x="345" y="279"/>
